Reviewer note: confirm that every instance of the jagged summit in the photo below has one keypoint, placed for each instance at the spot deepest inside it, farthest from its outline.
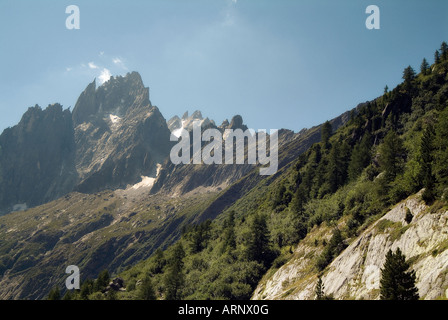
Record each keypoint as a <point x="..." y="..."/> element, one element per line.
<point x="37" y="158"/>
<point x="113" y="137"/>
<point x="116" y="96"/>
<point x="175" y="124"/>
<point x="120" y="136"/>
<point x="186" y="122"/>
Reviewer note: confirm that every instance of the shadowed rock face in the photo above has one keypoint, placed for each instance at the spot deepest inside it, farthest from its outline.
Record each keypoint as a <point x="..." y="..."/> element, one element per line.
<point x="112" y="138"/>
<point x="37" y="158"/>
<point x="119" y="135"/>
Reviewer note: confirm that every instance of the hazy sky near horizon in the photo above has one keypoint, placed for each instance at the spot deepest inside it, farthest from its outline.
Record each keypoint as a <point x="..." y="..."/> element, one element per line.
<point x="279" y="64"/>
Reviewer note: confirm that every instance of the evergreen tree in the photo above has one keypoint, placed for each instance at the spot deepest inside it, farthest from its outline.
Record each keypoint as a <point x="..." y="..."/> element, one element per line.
<point x="424" y="67"/>
<point x="199" y="237"/>
<point x="392" y="154"/>
<point x="397" y="283"/>
<point x="408" y="76"/>
<point x="102" y="281"/>
<point x="444" y="50"/>
<point x="174" y="278"/>
<point x="386" y="89"/>
<point x="426" y="163"/>
<point x="336" y="170"/>
<point x="361" y="157"/>
<point x="441" y="149"/>
<point x="437" y="57"/>
<point x="325" y="134"/>
<point x="258" y="247"/>
<point x="299" y="200"/>
<point x="159" y="262"/>
<point x="229" y="232"/>
<point x="320" y="289"/>
<point x="86" y="289"/>
<point x="331" y="251"/>
<point x="146" y="291"/>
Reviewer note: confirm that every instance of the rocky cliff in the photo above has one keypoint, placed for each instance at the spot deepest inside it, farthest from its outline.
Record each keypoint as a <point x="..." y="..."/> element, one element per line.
<point x="113" y="138"/>
<point x="119" y="135"/>
<point x="356" y="272"/>
<point x="37" y="158"/>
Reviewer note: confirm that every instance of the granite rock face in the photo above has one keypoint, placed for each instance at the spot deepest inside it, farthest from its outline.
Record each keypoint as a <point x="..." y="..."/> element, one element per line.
<point x="356" y="272"/>
<point x="113" y="137"/>
<point x="37" y="158"/>
<point x="120" y="137"/>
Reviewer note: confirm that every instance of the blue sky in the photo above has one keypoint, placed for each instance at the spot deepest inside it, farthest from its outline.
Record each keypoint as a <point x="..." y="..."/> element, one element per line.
<point x="279" y="64"/>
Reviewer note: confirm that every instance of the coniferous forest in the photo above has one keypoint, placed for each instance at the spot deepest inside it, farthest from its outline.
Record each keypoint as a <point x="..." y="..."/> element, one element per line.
<point x="391" y="147"/>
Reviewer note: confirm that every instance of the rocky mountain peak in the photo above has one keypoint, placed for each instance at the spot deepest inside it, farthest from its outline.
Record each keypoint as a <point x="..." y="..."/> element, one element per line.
<point x="117" y="96"/>
<point x="120" y="136"/>
<point x="37" y="158"/>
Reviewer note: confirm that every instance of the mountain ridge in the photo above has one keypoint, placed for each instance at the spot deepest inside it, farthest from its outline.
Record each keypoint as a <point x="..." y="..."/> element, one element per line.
<point x="237" y="228"/>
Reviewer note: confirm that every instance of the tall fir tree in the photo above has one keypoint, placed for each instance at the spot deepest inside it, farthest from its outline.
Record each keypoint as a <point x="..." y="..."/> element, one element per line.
<point x="174" y="280"/>
<point x="437" y="57"/>
<point x="424" y="67"/>
<point x="229" y="232"/>
<point x="397" y="281"/>
<point x="361" y="157"/>
<point x="408" y="77"/>
<point x="441" y="149"/>
<point x="325" y="134"/>
<point x="444" y="50"/>
<point x="146" y="290"/>
<point x="319" y="291"/>
<point x="258" y="246"/>
<point x="426" y="164"/>
<point x="102" y="281"/>
<point x="392" y="153"/>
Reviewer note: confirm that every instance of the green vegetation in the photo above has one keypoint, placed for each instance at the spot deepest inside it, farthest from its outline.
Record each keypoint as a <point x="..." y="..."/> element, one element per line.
<point x="397" y="282"/>
<point x="391" y="148"/>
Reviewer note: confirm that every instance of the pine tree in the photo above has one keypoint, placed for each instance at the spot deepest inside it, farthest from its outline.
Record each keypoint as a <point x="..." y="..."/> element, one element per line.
<point x="361" y="157"/>
<point x="146" y="291"/>
<point x="86" y="289"/>
<point x="426" y="164"/>
<point x="444" y="50"/>
<point x="336" y="170"/>
<point x="424" y="67"/>
<point x="258" y="247"/>
<point x="392" y="153"/>
<point x="229" y="232"/>
<point x="441" y="149"/>
<point x="102" y="281"/>
<point x="159" y="262"/>
<point x="386" y="89"/>
<point x="326" y="134"/>
<point x="397" y="283"/>
<point x="408" y="77"/>
<point x="437" y="57"/>
<point x="320" y="289"/>
<point x="174" y="278"/>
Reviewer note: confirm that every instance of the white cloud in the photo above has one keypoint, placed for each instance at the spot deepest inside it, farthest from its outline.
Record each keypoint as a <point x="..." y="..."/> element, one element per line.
<point x="118" y="62"/>
<point x="68" y="69"/>
<point x="104" y="76"/>
<point x="92" y="65"/>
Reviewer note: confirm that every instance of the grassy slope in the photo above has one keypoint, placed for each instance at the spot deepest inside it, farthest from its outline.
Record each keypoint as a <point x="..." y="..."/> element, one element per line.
<point x="218" y="272"/>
